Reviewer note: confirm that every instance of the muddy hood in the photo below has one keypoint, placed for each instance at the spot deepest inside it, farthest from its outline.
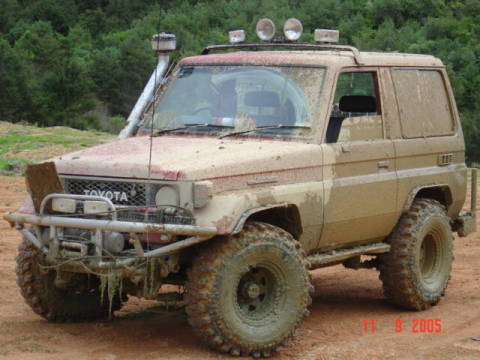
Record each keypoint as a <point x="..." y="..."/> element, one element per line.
<point x="188" y="158"/>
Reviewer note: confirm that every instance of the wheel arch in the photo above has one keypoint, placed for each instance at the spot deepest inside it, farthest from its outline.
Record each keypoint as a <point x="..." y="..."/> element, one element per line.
<point x="285" y="216"/>
<point x="441" y="193"/>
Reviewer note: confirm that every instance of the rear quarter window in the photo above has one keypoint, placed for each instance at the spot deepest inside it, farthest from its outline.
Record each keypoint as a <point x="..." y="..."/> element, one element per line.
<point x="423" y="103"/>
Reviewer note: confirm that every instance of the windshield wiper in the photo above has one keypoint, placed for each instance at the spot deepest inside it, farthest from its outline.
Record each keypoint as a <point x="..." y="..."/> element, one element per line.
<point x="263" y="128"/>
<point x="188" y="126"/>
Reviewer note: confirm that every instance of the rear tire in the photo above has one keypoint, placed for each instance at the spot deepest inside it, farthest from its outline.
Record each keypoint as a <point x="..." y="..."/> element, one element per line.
<point x="54" y="304"/>
<point x="416" y="271"/>
<point x="247" y="294"/>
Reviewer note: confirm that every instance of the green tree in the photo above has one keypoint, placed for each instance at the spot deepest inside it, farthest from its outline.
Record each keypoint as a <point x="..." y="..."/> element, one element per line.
<point x="72" y="56"/>
<point x="15" y="92"/>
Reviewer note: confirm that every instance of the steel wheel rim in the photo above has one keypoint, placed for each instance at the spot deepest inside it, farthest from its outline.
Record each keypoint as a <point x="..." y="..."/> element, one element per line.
<point x="258" y="293"/>
<point x="430" y="257"/>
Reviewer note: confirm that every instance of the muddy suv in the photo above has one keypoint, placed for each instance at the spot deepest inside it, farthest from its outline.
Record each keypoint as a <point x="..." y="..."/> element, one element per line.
<point x="243" y="169"/>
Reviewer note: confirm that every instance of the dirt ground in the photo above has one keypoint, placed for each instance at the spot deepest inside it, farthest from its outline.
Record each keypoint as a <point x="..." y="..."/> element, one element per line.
<point x="346" y="303"/>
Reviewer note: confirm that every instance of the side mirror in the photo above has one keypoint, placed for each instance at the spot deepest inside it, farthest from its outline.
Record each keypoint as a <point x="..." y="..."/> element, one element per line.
<point x="358" y="104"/>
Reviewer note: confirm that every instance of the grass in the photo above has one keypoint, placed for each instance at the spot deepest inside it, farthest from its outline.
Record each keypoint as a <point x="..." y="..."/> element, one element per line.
<point x="13" y="166"/>
<point x="25" y="144"/>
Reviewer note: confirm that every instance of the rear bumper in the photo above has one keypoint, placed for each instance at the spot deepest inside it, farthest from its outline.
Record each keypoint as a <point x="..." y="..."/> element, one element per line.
<point x="467" y="223"/>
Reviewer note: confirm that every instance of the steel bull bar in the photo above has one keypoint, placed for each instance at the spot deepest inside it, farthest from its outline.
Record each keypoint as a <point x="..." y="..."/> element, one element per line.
<point x="196" y="234"/>
<point x="111" y="225"/>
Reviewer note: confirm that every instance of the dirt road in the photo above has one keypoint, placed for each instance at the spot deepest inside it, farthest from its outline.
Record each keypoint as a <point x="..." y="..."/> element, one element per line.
<point x="346" y="304"/>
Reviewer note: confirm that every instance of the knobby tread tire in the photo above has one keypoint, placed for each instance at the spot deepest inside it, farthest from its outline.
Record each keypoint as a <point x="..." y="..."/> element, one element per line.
<point x="399" y="269"/>
<point x="204" y="283"/>
<point x="54" y="304"/>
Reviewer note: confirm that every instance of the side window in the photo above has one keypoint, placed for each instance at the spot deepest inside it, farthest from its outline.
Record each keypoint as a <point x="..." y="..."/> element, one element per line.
<point x="423" y="103"/>
<point x="356" y="114"/>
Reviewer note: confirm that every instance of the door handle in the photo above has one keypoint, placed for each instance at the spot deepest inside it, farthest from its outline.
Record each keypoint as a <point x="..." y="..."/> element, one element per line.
<point x="346" y="148"/>
<point x="384" y="164"/>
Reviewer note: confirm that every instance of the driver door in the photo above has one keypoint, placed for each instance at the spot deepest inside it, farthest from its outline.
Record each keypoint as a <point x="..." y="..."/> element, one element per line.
<point x="359" y="164"/>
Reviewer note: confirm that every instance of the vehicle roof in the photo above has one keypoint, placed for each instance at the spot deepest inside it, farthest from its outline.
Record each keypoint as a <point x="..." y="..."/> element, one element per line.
<point x="315" y="57"/>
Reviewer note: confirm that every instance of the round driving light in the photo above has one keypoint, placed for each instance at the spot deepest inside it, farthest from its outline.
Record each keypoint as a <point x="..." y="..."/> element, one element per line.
<point x="167" y="195"/>
<point x="292" y="29"/>
<point x="113" y="242"/>
<point x="265" y="29"/>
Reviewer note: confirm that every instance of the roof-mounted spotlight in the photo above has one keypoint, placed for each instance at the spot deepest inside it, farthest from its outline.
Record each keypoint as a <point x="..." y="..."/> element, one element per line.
<point x="325" y="35"/>
<point x="236" y="36"/>
<point x="292" y="29"/>
<point x="265" y="29"/>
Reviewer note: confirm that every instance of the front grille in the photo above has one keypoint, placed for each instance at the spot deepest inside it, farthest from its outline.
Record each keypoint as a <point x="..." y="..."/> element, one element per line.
<point x="134" y="201"/>
<point x="120" y="193"/>
<point x="158" y="216"/>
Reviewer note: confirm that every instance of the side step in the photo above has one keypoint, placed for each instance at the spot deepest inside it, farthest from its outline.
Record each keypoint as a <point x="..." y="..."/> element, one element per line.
<point x="337" y="256"/>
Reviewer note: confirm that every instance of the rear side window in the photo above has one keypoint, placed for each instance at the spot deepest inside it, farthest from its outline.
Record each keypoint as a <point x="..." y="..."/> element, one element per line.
<point x="423" y="103"/>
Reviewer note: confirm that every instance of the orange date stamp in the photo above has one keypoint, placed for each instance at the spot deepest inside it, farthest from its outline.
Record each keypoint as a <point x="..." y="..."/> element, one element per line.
<point x="414" y="326"/>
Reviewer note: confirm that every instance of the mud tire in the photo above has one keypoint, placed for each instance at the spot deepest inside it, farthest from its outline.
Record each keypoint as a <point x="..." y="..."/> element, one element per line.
<point x="220" y="306"/>
<point x="55" y="304"/>
<point x="416" y="271"/>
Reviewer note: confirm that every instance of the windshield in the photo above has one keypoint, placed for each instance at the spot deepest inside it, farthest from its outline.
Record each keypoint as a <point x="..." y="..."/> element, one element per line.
<point x="228" y="99"/>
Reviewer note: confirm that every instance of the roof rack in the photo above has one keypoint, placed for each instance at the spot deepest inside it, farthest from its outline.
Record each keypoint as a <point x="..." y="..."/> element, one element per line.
<point x="303" y="46"/>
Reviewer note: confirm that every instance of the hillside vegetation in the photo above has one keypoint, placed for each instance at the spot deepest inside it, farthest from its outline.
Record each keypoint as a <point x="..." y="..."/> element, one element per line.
<point x="82" y="63"/>
<point x="22" y="144"/>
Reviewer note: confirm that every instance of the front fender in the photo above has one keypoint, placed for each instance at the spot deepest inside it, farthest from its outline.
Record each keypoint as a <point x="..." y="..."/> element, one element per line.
<point x="241" y="222"/>
<point x="228" y="211"/>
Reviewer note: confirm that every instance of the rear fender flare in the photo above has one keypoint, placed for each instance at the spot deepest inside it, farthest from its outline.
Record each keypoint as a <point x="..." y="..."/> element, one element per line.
<point x="442" y="189"/>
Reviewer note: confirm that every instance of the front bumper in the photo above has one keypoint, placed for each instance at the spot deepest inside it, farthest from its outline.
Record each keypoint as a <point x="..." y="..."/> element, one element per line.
<point x="195" y="235"/>
<point x="98" y="228"/>
<point x="110" y="225"/>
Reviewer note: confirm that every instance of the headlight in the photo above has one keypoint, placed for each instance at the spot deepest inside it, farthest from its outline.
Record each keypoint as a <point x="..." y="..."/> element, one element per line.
<point x="167" y="195"/>
<point x="292" y="29"/>
<point x="265" y="29"/>
<point x="64" y="205"/>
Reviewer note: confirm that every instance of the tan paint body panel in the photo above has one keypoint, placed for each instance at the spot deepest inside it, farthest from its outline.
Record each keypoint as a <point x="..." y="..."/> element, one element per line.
<point x="225" y="209"/>
<point x="417" y="159"/>
<point x="359" y="193"/>
<point x="245" y="174"/>
<point x="197" y="158"/>
<point x="346" y="193"/>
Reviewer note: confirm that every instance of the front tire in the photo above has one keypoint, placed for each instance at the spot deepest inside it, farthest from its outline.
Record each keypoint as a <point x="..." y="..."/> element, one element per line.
<point x="247" y="294"/>
<point x="416" y="271"/>
<point x="54" y="304"/>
